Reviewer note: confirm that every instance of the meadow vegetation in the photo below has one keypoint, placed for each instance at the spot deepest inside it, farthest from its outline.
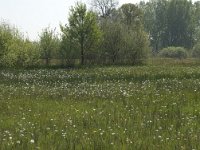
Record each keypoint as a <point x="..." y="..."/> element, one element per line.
<point x="146" y="107"/>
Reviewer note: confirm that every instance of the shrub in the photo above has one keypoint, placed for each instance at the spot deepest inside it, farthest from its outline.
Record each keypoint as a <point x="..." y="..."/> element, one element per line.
<point x="21" y="54"/>
<point x="196" y="51"/>
<point x="174" y="52"/>
<point x="15" y="50"/>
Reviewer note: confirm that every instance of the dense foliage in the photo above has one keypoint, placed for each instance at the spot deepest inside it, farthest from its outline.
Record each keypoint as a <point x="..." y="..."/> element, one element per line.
<point x="110" y="40"/>
<point x="15" y="50"/>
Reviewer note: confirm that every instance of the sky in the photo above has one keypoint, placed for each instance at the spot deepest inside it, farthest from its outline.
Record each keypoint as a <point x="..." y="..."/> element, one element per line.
<point x="31" y="16"/>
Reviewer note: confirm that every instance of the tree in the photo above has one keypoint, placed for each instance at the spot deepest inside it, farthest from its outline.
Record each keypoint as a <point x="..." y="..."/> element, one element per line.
<point x="159" y="32"/>
<point x="104" y="7"/>
<point x="196" y="18"/>
<point x="136" y="44"/>
<point x="112" y="40"/>
<point x="49" y="43"/>
<point x="131" y="15"/>
<point x="180" y="29"/>
<point x="169" y="23"/>
<point x="155" y="22"/>
<point x="83" y="29"/>
<point x="124" y="39"/>
<point x="68" y="52"/>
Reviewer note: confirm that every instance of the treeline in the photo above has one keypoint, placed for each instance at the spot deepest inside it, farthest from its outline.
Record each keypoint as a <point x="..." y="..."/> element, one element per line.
<point x="172" y="23"/>
<point x="109" y="34"/>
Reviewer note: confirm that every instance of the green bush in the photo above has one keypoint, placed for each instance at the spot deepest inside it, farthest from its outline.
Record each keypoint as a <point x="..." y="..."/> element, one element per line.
<point x="174" y="52"/>
<point x="196" y="51"/>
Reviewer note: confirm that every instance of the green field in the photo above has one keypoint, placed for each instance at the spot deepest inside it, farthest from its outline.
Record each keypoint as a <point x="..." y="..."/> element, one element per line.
<point x="98" y="108"/>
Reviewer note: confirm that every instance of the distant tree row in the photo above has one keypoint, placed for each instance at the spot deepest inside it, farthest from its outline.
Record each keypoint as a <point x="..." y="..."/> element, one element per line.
<point x="172" y="23"/>
<point x="108" y="34"/>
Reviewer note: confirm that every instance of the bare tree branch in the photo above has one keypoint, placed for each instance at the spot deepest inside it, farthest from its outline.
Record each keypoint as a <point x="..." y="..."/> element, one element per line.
<point x="104" y="7"/>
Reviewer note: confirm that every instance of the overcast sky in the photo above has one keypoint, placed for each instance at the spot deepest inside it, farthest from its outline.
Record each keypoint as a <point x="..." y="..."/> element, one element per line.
<point x="31" y="16"/>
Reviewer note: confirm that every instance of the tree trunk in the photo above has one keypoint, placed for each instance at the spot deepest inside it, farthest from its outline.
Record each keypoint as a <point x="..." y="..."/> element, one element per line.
<point x="82" y="55"/>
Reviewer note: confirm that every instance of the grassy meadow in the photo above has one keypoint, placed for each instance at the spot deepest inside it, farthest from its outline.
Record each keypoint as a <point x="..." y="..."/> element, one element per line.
<point x="101" y="108"/>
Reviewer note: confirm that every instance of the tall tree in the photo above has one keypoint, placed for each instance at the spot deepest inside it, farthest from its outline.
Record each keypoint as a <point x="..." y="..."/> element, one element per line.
<point x="82" y="29"/>
<point x="155" y="22"/>
<point x="124" y="39"/>
<point x="136" y="44"/>
<point x="180" y="29"/>
<point x="169" y="23"/>
<point x="68" y="52"/>
<point x="160" y="25"/>
<point x="196" y="17"/>
<point x="49" y="43"/>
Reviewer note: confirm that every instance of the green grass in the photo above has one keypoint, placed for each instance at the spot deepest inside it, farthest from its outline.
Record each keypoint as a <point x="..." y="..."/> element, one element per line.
<point x="109" y="108"/>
